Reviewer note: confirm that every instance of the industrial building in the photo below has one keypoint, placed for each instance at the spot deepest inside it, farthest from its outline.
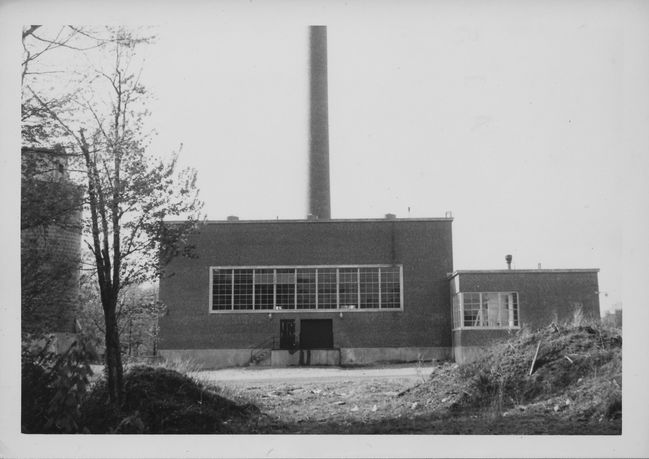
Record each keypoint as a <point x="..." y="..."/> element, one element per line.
<point x="323" y="291"/>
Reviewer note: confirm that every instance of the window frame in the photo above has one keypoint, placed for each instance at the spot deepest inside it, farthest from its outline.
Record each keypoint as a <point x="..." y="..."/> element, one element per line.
<point x="457" y="313"/>
<point x="317" y="308"/>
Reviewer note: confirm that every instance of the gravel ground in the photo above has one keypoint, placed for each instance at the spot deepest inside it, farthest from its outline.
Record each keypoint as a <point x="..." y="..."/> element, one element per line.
<point x="313" y="374"/>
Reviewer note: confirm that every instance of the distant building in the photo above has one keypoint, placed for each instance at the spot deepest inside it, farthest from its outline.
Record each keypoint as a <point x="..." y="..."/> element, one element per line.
<point x="613" y="318"/>
<point x="50" y="242"/>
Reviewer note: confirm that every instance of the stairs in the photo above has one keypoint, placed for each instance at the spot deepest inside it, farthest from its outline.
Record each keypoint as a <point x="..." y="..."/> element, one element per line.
<point x="262" y="351"/>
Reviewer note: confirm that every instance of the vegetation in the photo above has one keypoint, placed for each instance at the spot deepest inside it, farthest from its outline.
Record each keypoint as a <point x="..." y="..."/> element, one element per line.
<point x="159" y="400"/>
<point x="574" y="388"/>
<point x="577" y="395"/>
<point x="128" y="190"/>
<point x="54" y="385"/>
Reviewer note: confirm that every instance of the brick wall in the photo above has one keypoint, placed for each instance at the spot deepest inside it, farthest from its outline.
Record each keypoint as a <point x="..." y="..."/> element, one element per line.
<point x="423" y="247"/>
<point x="543" y="295"/>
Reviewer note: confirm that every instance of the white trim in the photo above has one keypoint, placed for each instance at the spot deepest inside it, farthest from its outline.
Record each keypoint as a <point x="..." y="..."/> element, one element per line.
<point x="384" y="265"/>
<point x="210" y="291"/>
<point x="316" y="289"/>
<point x="400" y="285"/>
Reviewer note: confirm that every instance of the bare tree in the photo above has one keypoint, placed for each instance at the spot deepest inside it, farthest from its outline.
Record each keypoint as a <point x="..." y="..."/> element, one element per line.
<point x="129" y="191"/>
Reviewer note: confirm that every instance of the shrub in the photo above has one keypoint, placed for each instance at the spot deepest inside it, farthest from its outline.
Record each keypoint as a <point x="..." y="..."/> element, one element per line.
<point x="54" y="385"/>
<point x="158" y="400"/>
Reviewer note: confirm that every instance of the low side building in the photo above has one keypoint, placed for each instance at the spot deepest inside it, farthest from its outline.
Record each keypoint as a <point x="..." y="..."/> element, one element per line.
<point x="310" y="292"/>
<point x="489" y="305"/>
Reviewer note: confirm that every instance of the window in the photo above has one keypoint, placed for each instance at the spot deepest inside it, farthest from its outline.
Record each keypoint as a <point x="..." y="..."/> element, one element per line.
<point x="242" y="288"/>
<point x="305" y="288"/>
<point x="390" y="287"/>
<point x="221" y="289"/>
<point x="485" y="310"/>
<point x="348" y="287"/>
<point x="264" y="288"/>
<point x="369" y="285"/>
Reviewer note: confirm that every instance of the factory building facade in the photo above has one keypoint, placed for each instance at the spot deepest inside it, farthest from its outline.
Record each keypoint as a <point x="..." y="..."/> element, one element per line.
<point x="348" y="292"/>
<point x="310" y="292"/>
<point x="323" y="291"/>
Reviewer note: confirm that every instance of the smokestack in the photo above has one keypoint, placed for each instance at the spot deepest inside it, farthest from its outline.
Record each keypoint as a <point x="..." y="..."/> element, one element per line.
<point x="508" y="259"/>
<point x="319" y="197"/>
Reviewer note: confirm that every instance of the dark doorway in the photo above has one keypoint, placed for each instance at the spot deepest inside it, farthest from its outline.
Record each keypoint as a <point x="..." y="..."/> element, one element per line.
<point x="316" y="334"/>
<point x="287" y="334"/>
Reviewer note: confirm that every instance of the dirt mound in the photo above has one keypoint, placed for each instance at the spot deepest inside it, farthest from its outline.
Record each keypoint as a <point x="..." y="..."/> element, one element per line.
<point x="577" y="374"/>
<point x="158" y="400"/>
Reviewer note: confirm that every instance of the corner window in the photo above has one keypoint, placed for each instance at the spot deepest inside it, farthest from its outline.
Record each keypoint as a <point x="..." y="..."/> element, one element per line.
<point x="485" y="310"/>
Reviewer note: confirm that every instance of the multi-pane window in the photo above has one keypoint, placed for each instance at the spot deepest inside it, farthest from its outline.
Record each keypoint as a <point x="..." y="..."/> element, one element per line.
<point x="485" y="309"/>
<point x="327" y="288"/>
<point x="348" y="288"/>
<point x="306" y="292"/>
<point x="264" y="288"/>
<point x="242" y="288"/>
<point x="306" y="288"/>
<point x="285" y="288"/>
<point x="369" y="286"/>
<point x="221" y="289"/>
<point x="390" y="287"/>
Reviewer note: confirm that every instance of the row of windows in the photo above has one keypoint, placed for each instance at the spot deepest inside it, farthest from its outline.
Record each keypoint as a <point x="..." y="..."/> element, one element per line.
<point x="301" y="288"/>
<point x="493" y="310"/>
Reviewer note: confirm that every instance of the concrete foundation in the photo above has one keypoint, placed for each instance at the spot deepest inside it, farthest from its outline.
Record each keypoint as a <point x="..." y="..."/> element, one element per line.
<point x="368" y="355"/>
<point x="224" y="358"/>
<point x="210" y="359"/>
<point x="282" y="358"/>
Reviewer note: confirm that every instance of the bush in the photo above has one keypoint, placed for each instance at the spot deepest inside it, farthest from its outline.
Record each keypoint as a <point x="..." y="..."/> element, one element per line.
<point x="577" y="361"/>
<point x="158" y="400"/>
<point x="54" y="385"/>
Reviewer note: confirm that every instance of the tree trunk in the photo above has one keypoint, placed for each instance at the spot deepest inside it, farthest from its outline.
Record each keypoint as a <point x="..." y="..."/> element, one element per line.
<point x="113" y="358"/>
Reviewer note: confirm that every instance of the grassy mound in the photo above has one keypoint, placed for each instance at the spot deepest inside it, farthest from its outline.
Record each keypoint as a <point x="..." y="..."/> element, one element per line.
<point x="577" y="374"/>
<point x="158" y="400"/>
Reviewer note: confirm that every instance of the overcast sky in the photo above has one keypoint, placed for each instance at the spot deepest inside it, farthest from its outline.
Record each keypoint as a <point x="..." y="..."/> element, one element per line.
<point x="514" y="117"/>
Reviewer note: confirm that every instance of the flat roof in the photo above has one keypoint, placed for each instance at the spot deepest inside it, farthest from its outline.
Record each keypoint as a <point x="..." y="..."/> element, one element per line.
<point x="521" y="271"/>
<point x="332" y="220"/>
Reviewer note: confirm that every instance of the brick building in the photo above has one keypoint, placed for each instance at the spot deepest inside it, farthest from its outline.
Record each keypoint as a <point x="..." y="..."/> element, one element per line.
<point x="489" y="305"/>
<point x="326" y="291"/>
<point x="318" y="292"/>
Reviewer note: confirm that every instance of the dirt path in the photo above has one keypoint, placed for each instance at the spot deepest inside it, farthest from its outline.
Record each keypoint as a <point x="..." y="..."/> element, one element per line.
<point x="370" y="401"/>
<point x="310" y="374"/>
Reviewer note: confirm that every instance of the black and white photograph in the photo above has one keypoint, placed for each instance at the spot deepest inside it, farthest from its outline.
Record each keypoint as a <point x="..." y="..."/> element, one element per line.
<point x="325" y="229"/>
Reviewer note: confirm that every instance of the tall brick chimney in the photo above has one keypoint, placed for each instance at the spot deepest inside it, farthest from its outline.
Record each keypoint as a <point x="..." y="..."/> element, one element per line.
<point x="319" y="195"/>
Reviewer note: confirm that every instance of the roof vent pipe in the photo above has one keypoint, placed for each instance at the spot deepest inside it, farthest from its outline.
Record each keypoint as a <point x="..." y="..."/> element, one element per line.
<point x="508" y="259"/>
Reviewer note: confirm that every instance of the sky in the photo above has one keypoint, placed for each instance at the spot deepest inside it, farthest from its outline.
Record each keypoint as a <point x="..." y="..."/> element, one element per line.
<point x="526" y="119"/>
<point x="512" y="117"/>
